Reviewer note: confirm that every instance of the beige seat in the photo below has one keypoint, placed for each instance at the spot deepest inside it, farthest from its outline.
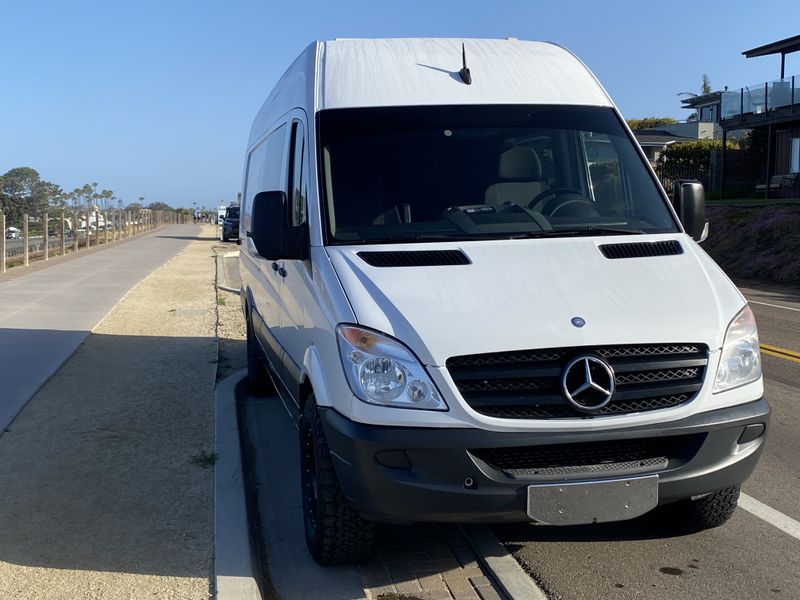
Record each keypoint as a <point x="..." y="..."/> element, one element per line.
<point x="520" y="173"/>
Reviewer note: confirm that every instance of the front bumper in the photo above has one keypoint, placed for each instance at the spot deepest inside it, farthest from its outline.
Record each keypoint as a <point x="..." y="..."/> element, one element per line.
<point x="414" y="474"/>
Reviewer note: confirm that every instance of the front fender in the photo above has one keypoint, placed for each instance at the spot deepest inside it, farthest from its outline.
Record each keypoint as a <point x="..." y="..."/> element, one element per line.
<point x="314" y="372"/>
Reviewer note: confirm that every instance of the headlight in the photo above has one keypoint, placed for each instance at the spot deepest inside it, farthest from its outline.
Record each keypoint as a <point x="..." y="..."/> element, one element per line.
<point x="381" y="370"/>
<point x="740" y="359"/>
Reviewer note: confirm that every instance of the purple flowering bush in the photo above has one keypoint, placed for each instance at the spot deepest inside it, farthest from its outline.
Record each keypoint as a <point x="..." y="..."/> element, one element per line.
<point x="756" y="243"/>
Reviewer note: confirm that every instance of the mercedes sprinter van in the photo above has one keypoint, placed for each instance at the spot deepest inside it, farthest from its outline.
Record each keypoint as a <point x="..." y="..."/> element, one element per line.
<point x="472" y="293"/>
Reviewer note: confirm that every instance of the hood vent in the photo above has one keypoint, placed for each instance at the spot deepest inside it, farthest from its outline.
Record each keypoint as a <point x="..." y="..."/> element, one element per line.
<point x="415" y="258"/>
<point x="642" y="249"/>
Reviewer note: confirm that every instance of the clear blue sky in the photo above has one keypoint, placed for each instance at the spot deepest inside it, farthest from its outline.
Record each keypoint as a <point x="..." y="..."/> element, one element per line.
<point x="155" y="98"/>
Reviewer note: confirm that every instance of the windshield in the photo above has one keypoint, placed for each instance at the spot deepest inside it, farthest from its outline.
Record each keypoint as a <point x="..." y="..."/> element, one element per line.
<point x="233" y="213"/>
<point x="404" y="174"/>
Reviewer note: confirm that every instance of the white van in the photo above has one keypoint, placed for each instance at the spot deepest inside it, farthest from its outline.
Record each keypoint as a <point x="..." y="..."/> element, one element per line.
<point x="478" y="303"/>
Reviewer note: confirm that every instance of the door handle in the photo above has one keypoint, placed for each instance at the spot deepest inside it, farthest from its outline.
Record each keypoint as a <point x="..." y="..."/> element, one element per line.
<point x="275" y="267"/>
<point x="282" y="272"/>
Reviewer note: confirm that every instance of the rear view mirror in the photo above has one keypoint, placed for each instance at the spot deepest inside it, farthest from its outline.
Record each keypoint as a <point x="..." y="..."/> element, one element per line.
<point x="267" y="224"/>
<point x="689" y="200"/>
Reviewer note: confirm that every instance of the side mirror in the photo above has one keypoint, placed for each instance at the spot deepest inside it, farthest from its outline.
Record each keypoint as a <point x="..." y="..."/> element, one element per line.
<point x="267" y="224"/>
<point x="273" y="237"/>
<point x="689" y="200"/>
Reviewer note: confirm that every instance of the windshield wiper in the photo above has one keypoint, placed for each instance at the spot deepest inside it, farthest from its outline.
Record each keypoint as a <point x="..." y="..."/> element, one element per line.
<point x="426" y="237"/>
<point x="588" y="230"/>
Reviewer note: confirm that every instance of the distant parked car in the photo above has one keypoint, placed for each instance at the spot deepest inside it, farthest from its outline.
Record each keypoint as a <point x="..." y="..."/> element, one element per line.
<point x="12" y="233"/>
<point x="230" y="224"/>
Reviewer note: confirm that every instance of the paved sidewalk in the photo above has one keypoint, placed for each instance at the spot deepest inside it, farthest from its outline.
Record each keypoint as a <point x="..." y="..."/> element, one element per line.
<point x="106" y="478"/>
<point x="45" y="314"/>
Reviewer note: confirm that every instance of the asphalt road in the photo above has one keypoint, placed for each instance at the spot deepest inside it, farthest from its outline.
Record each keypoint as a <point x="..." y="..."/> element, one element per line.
<point x="46" y="314"/>
<point x="746" y="558"/>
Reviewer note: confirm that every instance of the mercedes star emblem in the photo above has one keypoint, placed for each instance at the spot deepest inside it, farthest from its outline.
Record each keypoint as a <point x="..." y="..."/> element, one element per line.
<point x="588" y="383"/>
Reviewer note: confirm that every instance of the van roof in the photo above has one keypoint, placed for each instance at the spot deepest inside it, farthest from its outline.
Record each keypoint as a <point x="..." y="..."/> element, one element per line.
<point x="350" y="73"/>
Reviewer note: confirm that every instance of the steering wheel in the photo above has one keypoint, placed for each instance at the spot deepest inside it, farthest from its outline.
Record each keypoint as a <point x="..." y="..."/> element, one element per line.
<point x="556" y="200"/>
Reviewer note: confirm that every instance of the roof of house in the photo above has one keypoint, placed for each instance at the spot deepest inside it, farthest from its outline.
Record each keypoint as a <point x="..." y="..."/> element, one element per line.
<point x="659" y="137"/>
<point x="786" y="46"/>
<point x="702" y="100"/>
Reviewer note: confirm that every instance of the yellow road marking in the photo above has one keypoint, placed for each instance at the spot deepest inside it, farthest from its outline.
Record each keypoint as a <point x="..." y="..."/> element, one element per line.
<point x="779" y="352"/>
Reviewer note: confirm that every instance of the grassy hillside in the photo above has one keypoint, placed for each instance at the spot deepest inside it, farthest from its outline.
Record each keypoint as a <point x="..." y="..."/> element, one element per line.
<point x="756" y="243"/>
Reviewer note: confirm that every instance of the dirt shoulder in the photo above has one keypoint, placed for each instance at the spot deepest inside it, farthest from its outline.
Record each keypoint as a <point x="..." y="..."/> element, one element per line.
<point x="107" y="474"/>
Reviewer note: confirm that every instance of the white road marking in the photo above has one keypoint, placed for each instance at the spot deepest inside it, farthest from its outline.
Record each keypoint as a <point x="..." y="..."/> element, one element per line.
<point x="770" y="515"/>
<point x="773" y="305"/>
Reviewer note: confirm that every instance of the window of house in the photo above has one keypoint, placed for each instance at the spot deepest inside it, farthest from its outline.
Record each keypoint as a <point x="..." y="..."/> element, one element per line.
<point x="795" y="156"/>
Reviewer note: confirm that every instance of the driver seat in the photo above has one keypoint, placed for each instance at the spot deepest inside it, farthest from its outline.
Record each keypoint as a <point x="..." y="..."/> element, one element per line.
<point x="520" y="172"/>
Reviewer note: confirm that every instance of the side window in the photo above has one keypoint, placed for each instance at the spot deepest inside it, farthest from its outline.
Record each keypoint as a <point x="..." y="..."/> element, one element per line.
<point x="605" y="174"/>
<point x="264" y="168"/>
<point x="297" y="187"/>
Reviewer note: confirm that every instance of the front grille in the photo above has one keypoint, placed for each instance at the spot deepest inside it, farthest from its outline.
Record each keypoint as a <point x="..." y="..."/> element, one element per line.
<point x="526" y="384"/>
<point x="601" y="458"/>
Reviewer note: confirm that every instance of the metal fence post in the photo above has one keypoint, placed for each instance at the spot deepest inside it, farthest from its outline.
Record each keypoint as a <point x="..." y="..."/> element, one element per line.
<point x="63" y="235"/>
<point x="75" y="220"/>
<point x="105" y="222"/>
<point x="46" y="236"/>
<point x="2" y="242"/>
<point x="25" y="240"/>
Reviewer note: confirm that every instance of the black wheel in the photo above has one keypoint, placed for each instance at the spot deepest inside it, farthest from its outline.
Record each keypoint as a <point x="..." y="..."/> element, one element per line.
<point x="707" y="512"/>
<point x="335" y="533"/>
<point x="260" y="382"/>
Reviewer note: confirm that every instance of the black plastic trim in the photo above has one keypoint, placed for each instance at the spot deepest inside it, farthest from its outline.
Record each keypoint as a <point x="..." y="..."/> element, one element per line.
<point x="415" y="258"/>
<point x="641" y="249"/>
<point x="441" y="461"/>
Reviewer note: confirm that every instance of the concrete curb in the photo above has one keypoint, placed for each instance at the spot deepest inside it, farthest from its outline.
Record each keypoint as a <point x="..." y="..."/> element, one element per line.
<point x="500" y="565"/>
<point x="221" y="272"/>
<point x="234" y="571"/>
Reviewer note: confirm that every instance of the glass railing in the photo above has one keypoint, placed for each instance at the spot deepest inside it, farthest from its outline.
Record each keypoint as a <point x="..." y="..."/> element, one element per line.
<point x="761" y="98"/>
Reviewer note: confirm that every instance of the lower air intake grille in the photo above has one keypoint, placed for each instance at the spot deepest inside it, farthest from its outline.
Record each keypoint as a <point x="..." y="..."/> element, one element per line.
<point x="602" y="458"/>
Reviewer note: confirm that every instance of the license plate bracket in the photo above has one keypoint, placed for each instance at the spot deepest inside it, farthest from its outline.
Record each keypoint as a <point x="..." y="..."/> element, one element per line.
<point x="583" y="502"/>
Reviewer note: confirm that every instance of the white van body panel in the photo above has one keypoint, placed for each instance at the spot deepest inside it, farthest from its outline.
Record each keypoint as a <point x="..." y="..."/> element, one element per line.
<point x="440" y="312"/>
<point x="521" y="294"/>
<point x="407" y="72"/>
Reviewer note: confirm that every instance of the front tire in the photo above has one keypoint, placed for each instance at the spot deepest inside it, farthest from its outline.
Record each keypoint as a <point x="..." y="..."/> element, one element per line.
<point x="335" y="533"/>
<point x="707" y="512"/>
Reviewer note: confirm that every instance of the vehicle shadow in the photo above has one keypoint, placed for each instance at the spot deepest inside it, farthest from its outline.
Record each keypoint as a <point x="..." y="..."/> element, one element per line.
<point x="657" y="524"/>
<point x="194" y="238"/>
<point x="109" y="467"/>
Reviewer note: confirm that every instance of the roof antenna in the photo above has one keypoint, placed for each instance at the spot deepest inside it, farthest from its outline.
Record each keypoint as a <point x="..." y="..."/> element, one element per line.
<point x="464" y="73"/>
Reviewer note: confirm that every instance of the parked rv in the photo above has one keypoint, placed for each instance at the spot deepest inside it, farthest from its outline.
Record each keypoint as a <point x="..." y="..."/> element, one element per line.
<point x="474" y="297"/>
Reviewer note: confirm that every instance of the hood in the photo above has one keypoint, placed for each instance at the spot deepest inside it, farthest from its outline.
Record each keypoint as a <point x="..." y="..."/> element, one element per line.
<point x="523" y="294"/>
